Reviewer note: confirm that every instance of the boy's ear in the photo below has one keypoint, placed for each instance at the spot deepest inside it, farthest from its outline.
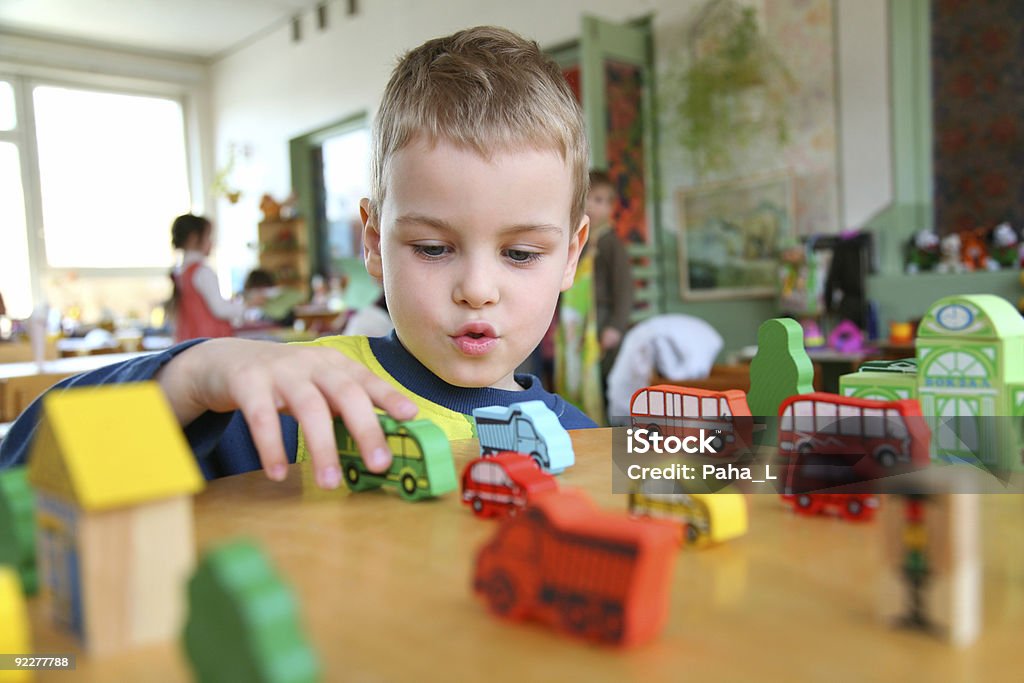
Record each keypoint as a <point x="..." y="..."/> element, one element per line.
<point x="371" y="242"/>
<point x="576" y="244"/>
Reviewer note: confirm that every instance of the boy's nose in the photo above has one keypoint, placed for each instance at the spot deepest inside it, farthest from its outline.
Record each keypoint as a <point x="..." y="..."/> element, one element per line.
<point x="476" y="288"/>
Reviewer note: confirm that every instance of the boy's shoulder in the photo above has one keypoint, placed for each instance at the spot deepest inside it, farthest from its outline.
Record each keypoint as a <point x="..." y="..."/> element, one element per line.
<point x="568" y="415"/>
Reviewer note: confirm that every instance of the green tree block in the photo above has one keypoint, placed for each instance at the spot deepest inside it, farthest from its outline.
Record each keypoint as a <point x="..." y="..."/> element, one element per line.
<point x="780" y="369"/>
<point x="17" y="526"/>
<point x="242" y="622"/>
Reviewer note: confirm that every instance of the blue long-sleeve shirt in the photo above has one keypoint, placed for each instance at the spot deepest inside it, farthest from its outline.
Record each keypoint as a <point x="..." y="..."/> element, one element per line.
<point x="221" y="441"/>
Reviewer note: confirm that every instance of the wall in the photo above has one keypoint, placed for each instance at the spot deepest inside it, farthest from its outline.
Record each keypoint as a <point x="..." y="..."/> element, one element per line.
<point x="273" y="90"/>
<point x="906" y="297"/>
<point x="865" y="151"/>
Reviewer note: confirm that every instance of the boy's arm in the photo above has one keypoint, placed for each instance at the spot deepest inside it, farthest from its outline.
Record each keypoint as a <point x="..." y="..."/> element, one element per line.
<point x="15" y="447"/>
<point x="311" y="383"/>
<point x="260" y="379"/>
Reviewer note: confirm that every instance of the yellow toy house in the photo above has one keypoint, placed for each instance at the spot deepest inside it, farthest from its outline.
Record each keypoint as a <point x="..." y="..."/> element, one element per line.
<point x="114" y="479"/>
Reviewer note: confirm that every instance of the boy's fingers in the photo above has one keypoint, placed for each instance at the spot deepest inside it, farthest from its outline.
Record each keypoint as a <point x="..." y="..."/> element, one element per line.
<point x="309" y="408"/>
<point x="390" y="399"/>
<point x="265" y="427"/>
<point x="357" y="412"/>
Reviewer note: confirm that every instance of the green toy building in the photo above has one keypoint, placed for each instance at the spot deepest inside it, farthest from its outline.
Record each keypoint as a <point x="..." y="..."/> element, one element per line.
<point x="882" y="380"/>
<point x="969" y="379"/>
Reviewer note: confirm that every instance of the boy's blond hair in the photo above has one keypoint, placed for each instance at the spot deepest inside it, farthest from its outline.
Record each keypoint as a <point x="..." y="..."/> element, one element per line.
<point x="485" y="89"/>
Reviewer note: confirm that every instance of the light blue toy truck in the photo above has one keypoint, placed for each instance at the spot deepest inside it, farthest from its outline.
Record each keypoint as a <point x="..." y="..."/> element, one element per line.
<point x="529" y="427"/>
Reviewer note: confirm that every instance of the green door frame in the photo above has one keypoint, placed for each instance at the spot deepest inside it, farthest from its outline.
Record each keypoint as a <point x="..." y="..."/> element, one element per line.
<point x="910" y="84"/>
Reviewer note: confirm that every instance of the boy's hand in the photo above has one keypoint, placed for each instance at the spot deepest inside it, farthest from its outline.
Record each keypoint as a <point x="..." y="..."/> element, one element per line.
<point x="310" y="383"/>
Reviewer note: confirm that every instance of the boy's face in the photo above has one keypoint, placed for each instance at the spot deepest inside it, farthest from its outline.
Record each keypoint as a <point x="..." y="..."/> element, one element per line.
<point x="600" y="204"/>
<point x="472" y="254"/>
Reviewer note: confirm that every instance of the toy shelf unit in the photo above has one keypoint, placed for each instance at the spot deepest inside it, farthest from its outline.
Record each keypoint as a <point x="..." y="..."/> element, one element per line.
<point x="284" y="252"/>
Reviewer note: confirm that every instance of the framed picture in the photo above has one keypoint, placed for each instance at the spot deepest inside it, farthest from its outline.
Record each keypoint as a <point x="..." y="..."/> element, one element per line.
<point x="730" y="235"/>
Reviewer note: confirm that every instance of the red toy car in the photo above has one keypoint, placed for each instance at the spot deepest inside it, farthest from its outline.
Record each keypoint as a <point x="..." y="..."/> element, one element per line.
<point x="852" y="506"/>
<point x="501" y="485"/>
<point x="601" y="576"/>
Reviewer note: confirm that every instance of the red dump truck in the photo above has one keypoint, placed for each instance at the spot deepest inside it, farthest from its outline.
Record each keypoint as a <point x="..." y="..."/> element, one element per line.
<point x="598" y="575"/>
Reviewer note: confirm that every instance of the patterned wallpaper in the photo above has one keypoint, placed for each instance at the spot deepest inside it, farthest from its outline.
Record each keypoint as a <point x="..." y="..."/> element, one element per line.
<point x="978" y="108"/>
<point x="801" y="30"/>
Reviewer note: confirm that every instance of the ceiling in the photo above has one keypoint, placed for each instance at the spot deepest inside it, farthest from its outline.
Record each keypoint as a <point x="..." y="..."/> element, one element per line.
<point x="200" y="29"/>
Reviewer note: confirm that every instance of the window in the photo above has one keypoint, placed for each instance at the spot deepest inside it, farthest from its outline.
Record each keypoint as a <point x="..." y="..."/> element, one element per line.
<point x="640" y="404"/>
<point x="490" y="473"/>
<point x="849" y="420"/>
<point x="874" y="423"/>
<point x="112" y="176"/>
<point x="803" y="420"/>
<point x="346" y="171"/>
<point x="825" y="420"/>
<point x="691" y="406"/>
<point x="8" y="114"/>
<point x="674" y="405"/>
<point x="657" y="399"/>
<point x="15" y="282"/>
<point x="709" y="407"/>
<point x="896" y="427"/>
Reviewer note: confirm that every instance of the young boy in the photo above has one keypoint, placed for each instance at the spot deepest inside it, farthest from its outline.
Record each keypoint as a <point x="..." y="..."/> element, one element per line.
<point x="474" y="224"/>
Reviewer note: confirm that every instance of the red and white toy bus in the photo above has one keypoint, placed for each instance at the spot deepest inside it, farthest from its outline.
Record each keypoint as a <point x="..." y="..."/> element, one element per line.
<point x="503" y="484"/>
<point x="683" y="411"/>
<point x="890" y="432"/>
<point x="827" y="441"/>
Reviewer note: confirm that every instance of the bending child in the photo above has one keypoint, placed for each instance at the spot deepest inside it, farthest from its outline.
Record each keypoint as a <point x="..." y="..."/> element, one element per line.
<point x="474" y="225"/>
<point x="196" y="304"/>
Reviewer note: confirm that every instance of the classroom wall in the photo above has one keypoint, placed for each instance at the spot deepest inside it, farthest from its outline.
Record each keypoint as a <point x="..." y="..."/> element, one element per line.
<point x="273" y="89"/>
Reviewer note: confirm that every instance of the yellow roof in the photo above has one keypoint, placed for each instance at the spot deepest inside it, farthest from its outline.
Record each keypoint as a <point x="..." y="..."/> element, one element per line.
<point x="111" y="446"/>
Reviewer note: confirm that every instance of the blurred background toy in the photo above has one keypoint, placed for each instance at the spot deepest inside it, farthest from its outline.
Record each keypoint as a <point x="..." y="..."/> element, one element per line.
<point x="1004" y="246"/>
<point x="922" y="252"/>
<point x="950" y="262"/>
<point x="973" y="250"/>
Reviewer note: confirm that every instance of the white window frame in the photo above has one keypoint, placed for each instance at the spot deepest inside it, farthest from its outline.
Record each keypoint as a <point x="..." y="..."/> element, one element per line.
<point x="23" y="80"/>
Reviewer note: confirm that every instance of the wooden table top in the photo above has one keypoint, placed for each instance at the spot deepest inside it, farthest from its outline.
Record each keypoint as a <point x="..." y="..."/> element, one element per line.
<point x="384" y="592"/>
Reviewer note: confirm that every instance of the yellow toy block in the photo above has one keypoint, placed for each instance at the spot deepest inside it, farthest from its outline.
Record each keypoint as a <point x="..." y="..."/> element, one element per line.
<point x="15" y="635"/>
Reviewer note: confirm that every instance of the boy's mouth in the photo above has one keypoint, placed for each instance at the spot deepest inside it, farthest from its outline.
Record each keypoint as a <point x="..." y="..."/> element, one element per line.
<point x="475" y="339"/>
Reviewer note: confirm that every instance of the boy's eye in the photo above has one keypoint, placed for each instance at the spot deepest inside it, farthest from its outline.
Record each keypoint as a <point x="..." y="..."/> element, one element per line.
<point x="521" y="256"/>
<point x="430" y="250"/>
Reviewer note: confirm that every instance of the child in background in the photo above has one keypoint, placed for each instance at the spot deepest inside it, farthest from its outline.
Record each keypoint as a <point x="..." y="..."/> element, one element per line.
<point x="270" y="302"/>
<point x="196" y="304"/>
<point x="475" y="223"/>
<point x="613" y="273"/>
<point x="594" y="313"/>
